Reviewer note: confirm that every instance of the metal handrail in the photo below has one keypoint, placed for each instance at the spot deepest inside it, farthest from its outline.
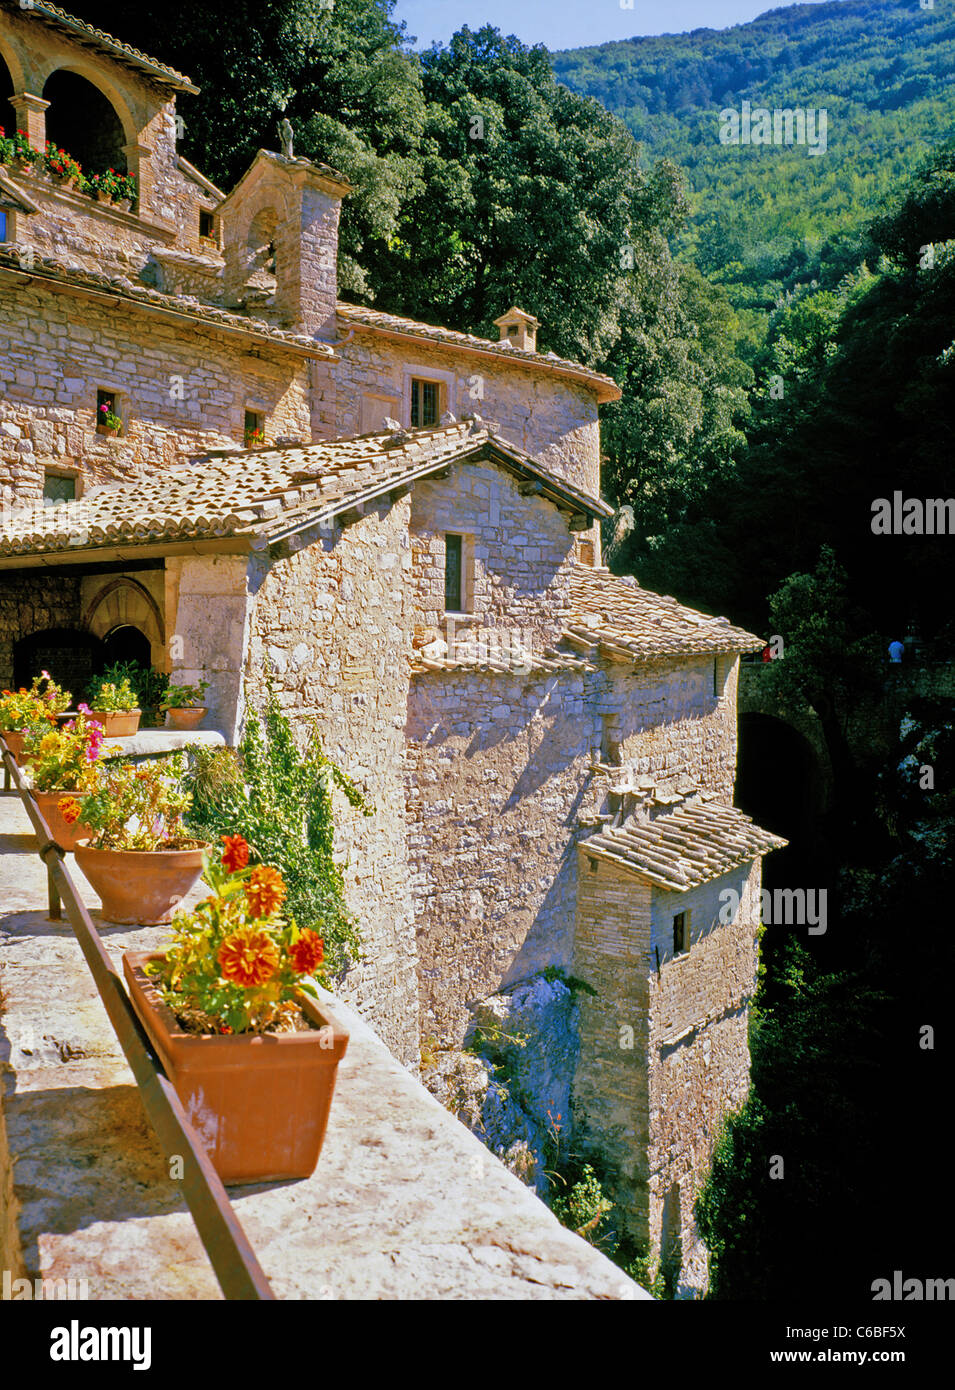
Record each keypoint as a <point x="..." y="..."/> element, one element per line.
<point x="230" y="1254"/>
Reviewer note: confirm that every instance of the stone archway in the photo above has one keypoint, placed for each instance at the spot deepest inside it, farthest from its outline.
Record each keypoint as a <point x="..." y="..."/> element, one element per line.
<point x="123" y="603"/>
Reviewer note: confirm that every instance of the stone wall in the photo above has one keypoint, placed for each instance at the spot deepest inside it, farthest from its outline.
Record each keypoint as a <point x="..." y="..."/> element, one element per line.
<point x="180" y="390"/>
<point x="31" y="601"/>
<point x="663" y="719"/>
<point x="698" y="1049"/>
<point x="611" y="1086"/>
<point x="498" y="771"/>
<point x="552" y="419"/>
<point x="334" y="621"/>
<point x="664" y="1055"/>
<point x="516" y="552"/>
<point x="207" y="606"/>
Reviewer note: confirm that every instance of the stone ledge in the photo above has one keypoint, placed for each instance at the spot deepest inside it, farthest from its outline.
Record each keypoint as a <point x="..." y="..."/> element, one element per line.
<point x="405" y="1202"/>
<point x="151" y="742"/>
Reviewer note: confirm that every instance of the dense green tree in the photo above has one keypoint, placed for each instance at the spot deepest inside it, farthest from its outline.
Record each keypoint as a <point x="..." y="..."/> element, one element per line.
<point x="528" y="194"/>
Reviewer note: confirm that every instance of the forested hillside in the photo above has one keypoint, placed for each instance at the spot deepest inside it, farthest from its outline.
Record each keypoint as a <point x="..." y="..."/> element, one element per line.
<point x="884" y="71"/>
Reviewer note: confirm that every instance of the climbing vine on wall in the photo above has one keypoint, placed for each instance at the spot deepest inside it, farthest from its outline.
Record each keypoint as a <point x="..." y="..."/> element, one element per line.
<point x="279" y="798"/>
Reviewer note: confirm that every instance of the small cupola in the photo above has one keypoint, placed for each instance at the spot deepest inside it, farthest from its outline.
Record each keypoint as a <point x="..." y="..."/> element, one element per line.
<point x="518" y="329"/>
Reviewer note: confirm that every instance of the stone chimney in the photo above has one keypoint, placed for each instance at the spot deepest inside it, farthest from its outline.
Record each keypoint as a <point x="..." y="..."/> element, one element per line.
<point x="519" y="329"/>
<point x="280" y="235"/>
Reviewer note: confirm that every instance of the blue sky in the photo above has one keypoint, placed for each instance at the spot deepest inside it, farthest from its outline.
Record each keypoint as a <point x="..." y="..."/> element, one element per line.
<point x="570" y="23"/>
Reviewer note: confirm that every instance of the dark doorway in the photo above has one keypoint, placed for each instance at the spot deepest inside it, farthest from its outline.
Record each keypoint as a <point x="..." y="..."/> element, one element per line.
<point x="127" y="643"/>
<point x="70" y="656"/>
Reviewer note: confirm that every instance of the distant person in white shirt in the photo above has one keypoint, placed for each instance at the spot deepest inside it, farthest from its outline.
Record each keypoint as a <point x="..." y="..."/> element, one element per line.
<point x="896" y="651"/>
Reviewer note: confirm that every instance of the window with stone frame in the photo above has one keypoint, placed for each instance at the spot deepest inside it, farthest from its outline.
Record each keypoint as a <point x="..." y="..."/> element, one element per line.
<point x="207" y="225"/>
<point x="109" y="414"/>
<point x="3" y="225"/>
<point x="58" y="488"/>
<point x="681" y="933"/>
<point x="454" y="596"/>
<point x="254" y="429"/>
<point x="425" y="402"/>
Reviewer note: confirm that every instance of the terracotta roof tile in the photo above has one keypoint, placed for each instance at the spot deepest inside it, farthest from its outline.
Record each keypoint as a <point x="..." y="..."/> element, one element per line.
<point x="359" y="315"/>
<point x="26" y="259"/>
<point x="269" y="493"/>
<point x="616" y="618"/>
<point x="681" y="849"/>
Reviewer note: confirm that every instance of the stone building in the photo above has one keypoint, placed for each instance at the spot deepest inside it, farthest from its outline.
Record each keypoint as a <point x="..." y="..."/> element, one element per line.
<point x="307" y="486"/>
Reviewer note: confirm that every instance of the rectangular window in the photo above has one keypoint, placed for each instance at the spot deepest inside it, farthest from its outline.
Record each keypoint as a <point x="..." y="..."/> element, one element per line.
<point x="254" y="428"/>
<point x="424" y="402"/>
<point x="108" y="419"/>
<point x="681" y="933"/>
<point x="3" y="226"/>
<point x="207" y="225"/>
<point x="57" y="489"/>
<point x="453" y="574"/>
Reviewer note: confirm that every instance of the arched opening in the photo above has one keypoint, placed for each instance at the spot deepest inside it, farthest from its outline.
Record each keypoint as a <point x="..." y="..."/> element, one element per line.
<point x="261" y="240"/>
<point x="82" y="121"/>
<point x="8" y="116"/>
<point x="127" y="643"/>
<point x="70" y="655"/>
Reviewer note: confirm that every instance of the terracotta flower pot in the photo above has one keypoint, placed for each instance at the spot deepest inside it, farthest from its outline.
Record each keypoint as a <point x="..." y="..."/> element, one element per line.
<point x="117" y="723"/>
<point x="14" y="739"/>
<point x="63" y="833"/>
<point x="185" y="717"/>
<point x="259" y="1102"/>
<point x="142" y="887"/>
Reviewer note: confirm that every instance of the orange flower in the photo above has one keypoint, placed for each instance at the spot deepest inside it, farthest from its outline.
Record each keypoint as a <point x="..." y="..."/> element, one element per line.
<point x="265" y="890"/>
<point x="248" y="957"/>
<point x="236" y="853"/>
<point x="307" y="952"/>
<point x="69" y="809"/>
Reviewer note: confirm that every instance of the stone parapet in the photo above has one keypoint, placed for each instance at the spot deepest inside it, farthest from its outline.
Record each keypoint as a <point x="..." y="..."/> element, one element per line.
<point x="405" y="1202"/>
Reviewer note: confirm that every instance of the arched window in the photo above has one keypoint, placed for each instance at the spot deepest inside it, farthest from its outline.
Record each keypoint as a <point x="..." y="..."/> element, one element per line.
<point x="8" y="117"/>
<point x="261" y="240"/>
<point x="82" y="121"/>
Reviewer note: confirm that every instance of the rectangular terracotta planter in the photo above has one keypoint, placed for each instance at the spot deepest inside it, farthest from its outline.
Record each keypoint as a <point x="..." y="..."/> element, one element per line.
<point x="259" y="1102"/>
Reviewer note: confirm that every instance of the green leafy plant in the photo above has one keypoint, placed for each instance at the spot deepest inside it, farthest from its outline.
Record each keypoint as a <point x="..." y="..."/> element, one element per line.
<point x="139" y="808"/>
<point x="108" y="419"/>
<point x="115" y="186"/>
<point x="236" y="963"/>
<point x="280" y="800"/>
<point x="111" y="696"/>
<point x="184" y="696"/>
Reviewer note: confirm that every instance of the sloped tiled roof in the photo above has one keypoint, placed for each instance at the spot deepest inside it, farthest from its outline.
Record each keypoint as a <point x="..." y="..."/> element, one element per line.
<point x="97" y="38"/>
<point x="357" y="315"/>
<point x="616" y="618"/>
<point x="264" y="492"/>
<point x="681" y="849"/>
<point x="67" y="275"/>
